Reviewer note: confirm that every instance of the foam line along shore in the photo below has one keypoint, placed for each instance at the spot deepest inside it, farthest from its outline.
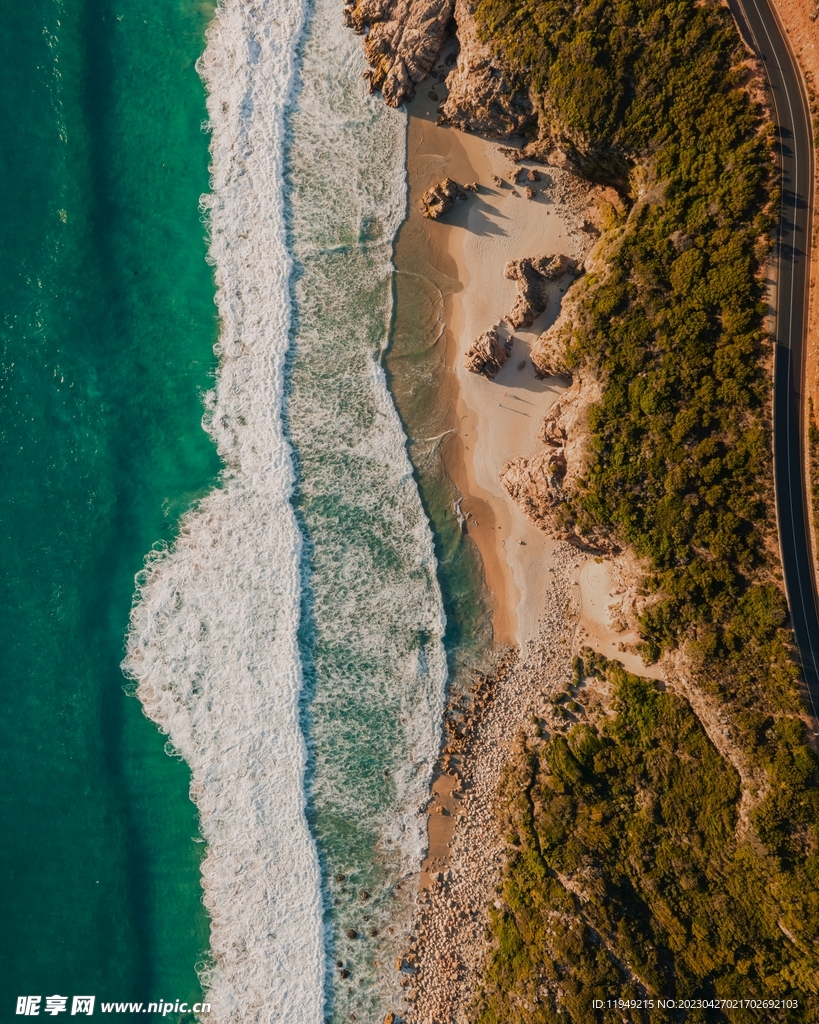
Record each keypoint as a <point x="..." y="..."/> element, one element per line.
<point x="301" y="598"/>
<point x="213" y="638"/>
<point x="372" y="619"/>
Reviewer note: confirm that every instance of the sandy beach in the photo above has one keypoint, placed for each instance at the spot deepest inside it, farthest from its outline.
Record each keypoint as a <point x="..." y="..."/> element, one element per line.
<point x="549" y="599"/>
<point x="494" y="420"/>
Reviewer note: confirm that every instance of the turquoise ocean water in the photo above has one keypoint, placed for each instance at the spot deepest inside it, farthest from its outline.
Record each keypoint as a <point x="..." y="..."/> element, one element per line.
<point x="107" y="329"/>
<point x="294" y="643"/>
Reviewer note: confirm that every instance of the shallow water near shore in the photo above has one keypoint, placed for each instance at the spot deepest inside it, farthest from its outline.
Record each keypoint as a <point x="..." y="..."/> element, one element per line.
<point x="424" y="391"/>
<point x="372" y="613"/>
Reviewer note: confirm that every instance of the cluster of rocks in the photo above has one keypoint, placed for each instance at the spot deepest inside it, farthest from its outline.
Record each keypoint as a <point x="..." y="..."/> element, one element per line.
<point x="535" y="484"/>
<point x="403" y="41"/>
<point x="517" y="176"/>
<point x="487" y="354"/>
<point x="533" y="275"/>
<point x="440" y="198"/>
<point x="446" y="955"/>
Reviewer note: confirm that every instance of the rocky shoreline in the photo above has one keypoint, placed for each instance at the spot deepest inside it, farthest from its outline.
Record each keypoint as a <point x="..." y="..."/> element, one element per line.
<point x="442" y="966"/>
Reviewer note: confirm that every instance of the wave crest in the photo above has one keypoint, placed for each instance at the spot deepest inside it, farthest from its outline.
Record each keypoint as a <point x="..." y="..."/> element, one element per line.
<point x="212" y="643"/>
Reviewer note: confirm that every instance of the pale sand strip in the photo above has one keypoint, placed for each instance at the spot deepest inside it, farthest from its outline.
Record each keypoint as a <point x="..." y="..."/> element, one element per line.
<point x="495" y="420"/>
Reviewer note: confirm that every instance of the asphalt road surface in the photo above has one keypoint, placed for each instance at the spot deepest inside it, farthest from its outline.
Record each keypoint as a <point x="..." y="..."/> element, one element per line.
<point x="762" y="30"/>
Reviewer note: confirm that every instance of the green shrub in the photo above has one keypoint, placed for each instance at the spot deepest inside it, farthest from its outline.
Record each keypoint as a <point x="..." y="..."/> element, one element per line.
<point x="642" y="815"/>
<point x="632" y="874"/>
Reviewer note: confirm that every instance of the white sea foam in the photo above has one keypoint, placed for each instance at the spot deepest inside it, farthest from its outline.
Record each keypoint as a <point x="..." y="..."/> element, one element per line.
<point x="213" y="637"/>
<point x="214" y="642"/>
<point x="372" y="637"/>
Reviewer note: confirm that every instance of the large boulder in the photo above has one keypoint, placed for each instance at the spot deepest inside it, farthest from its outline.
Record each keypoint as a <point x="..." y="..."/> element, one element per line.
<point x="533" y="275"/>
<point x="403" y="40"/>
<point x="439" y="199"/>
<point x="487" y="354"/>
<point x="535" y="484"/>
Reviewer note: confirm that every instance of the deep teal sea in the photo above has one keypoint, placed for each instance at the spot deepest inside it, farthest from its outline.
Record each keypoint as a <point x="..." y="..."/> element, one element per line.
<point x="107" y="330"/>
<point x="108" y="324"/>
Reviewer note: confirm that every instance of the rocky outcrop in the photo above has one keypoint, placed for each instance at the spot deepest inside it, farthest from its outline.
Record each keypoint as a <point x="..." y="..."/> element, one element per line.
<point x="487" y="354"/>
<point x="549" y="351"/>
<point x="533" y="276"/>
<point x="553" y="432"/>
<point x="539" y="484"/>
<point x="439" y="199"/>
<point x="403" y="40"/>
<point x="483" y="97"/>
<point x="534" y="484"/>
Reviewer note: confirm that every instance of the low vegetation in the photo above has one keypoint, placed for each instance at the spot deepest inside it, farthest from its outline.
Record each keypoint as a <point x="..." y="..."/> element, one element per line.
<point x="654" y="96"/>
<point x="632" y="876"/>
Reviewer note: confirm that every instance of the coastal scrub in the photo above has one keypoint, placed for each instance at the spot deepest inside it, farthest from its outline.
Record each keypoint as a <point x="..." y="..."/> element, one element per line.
<point x="635" y="820"/>
<point x="631" y="875"/>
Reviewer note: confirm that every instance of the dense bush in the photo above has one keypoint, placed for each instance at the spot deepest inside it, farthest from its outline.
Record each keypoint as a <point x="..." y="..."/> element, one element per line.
<point x="680" y="452"/>
<point x="650" y="94"/>
<point x="633" y="877"/>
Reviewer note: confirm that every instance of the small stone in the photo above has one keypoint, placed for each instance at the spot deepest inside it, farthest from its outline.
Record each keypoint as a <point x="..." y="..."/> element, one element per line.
<point x="352" y="933"/>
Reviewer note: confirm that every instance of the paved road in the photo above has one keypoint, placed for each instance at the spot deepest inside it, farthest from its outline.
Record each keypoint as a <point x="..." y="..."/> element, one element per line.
<point x="762" y="30"/>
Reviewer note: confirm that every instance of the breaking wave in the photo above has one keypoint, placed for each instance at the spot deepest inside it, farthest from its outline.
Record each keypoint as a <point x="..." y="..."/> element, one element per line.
<point x="299" y="610"/>
<point x="213" y="637"/>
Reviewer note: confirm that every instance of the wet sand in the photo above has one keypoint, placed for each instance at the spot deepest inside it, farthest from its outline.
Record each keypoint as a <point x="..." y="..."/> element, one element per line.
<point x="491" y="422"/>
